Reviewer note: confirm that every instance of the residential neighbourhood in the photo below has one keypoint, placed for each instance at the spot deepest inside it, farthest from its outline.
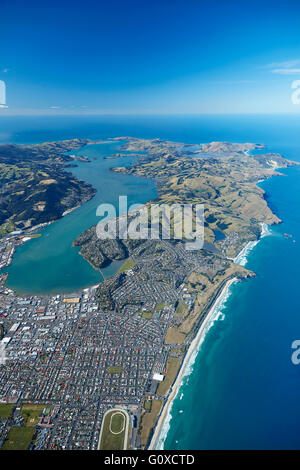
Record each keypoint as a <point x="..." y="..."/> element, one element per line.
<point x="78" y="358"/>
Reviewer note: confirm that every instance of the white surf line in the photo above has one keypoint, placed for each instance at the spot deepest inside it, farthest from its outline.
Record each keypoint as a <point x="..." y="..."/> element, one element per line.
<point x="195" y="344"/>
<point x="165" y="416"/>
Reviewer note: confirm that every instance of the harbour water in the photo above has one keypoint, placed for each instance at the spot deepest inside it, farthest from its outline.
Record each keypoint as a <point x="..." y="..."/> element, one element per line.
<point x="50" y="264"/>
<point x="242" y="390"/>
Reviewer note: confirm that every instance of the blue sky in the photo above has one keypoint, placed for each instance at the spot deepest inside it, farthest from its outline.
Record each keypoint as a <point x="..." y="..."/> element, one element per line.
<point x="167" y="56"/>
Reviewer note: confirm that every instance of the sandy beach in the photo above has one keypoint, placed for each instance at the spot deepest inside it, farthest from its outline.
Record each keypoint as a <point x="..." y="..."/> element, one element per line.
<point x="193" y="347"/>
<point x="240" y="259"/>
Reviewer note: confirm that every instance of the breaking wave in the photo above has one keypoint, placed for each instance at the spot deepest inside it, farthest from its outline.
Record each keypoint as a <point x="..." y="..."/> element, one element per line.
<point x="216" y="314"/>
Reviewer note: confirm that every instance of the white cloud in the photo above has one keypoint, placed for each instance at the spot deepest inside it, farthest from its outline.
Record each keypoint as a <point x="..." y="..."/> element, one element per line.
<point x="284" y="64"/>
<point x="286" y="67"/>
<point x="286" y="71"/>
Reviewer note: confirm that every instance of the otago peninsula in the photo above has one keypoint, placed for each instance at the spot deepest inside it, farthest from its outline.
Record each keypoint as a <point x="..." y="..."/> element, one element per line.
<point x="98" y="368"/>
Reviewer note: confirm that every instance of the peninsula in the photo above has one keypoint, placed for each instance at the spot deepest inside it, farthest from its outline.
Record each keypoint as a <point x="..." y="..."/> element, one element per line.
<point x="172" y="289"/>
<point x="69" y="361"/>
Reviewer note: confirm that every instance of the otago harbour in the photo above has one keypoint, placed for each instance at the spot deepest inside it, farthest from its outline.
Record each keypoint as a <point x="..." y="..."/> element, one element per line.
<point x="51" y="262"/>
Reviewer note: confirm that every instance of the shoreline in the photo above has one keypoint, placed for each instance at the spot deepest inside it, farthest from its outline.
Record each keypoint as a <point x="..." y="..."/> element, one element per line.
<point x="195" y="344"/>
<point x="240" y="259"/>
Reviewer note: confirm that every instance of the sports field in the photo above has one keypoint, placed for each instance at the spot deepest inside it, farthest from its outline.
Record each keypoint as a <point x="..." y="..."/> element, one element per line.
<point x="31" y="413"/>
<point x="6" y="410"/>
<point x="18" y="438"/>
<point x="114" y="430"/>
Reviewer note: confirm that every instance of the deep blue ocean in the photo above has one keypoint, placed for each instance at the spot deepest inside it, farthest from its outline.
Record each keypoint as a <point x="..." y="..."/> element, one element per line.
<point x="243" y="391"/>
